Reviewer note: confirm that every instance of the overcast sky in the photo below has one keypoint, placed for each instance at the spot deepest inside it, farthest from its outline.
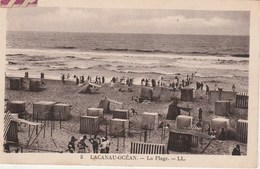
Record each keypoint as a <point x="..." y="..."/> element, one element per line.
<point x="128" y="21"/>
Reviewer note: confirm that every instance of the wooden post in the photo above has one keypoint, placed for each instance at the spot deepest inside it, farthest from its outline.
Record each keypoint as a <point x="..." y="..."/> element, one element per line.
<point x="117" y="143"/>
<point x="44" y="127"/>
<point x="124" y="142"/>
<point x="37" y="122"/>
<point x="145" y="136"/>
<point x="53" y="124"/>
<point x="162" y="136"/>
<point x="51" y="128"/>
<point x="29" y="130"/>
<point x="106" y="128"/>
<point x="60" y="120"/>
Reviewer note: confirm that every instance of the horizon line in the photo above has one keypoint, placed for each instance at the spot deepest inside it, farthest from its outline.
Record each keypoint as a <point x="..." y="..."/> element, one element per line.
<point x="124" y="33"/>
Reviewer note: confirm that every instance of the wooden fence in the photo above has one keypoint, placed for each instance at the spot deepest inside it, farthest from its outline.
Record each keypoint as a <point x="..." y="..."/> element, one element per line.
<point x="147" y="148"/>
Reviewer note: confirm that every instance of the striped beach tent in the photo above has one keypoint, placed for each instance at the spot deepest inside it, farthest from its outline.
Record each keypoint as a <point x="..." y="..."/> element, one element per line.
<point x="7" y="122"/>
<point x="11" y="128"/>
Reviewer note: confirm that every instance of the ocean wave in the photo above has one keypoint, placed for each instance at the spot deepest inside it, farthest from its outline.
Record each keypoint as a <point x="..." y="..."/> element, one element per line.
<point x="15" y="54"/>
<point x="63" y="68"/>
<point x="18" y="68"/>
<point x="131" y="50"/>
<point x="220" y="61"/>
<point x="203" y="53"/>
<point x="65" y="47"/>
<point x="71" y="57"/>
<point x="241" y="55"/>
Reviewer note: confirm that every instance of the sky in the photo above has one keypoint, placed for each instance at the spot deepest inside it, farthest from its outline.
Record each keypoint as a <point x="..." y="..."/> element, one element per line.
<point x="149" y="21"/>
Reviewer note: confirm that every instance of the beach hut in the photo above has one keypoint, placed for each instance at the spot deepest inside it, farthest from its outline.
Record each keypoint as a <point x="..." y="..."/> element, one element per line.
<point x="15" y="83"/>
<point x="43" y="110"/>
<point x="183" y="121"/>
<point x="147" y="148"/>
<point x="89" y="125"/>
<point x="119" y="127"/>
<point x="15" y="106"/>
<point x="173" y="112"/>
<point x="222" y="108"/>
<point x="150" y="121"/>
<point x="218" y="123"/>
<point x="182" y="140"/>
<point x="147" y="93"/>
<point x="35" y="85"/>
<point x="242" y="130"/>
<point x="120" y="114"/>
<point x="61" y="111"/>
<point x="95" y="112"/>
<point x="187" y="94"/>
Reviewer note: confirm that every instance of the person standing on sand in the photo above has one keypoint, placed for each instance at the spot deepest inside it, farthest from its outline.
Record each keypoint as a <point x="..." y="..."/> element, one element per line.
<point x="201" y="86"/>
<point x="200" y="114"/>
<point x="77" y="81"/>
<point x="42" y="77"/>
<point x="207" y="90"/>
<point x="95" y="143"/>
<point x="82" y="145"/>
<point x="63" y="78"/>
<point x="103" y="79"/>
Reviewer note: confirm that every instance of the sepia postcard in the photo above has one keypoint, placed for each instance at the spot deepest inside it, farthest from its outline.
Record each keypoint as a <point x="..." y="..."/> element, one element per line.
<point x="130" y="83"/>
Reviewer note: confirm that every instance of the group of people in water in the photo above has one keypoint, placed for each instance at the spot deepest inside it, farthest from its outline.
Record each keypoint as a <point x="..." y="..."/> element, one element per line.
<point x="99" y="145"/>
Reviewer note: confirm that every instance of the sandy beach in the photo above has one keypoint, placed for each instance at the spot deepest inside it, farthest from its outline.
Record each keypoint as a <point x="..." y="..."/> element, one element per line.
<point x="57" y="92"/>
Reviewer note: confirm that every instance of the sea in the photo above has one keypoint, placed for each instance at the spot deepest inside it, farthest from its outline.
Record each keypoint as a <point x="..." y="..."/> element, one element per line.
<point x="136" y="55"/>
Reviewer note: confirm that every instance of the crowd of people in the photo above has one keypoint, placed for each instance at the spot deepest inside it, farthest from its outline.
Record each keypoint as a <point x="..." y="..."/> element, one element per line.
<point x="174" y="84"/>
<point x="99" y="145"/>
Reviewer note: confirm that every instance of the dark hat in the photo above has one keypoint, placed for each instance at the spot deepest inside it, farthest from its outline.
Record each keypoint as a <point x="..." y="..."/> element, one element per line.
<point x="73" y="138"/>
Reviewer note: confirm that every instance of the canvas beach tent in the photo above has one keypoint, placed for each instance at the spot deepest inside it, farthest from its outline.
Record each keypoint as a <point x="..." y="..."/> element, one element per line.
<point x="109" y="105"/>
<point x="89" y="88"/>
<point x="11" y="123"/>
<point x="147" y="93"/>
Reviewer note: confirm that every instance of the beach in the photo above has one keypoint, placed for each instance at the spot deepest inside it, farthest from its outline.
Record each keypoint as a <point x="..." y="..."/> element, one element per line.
<point x="67" y="93"/>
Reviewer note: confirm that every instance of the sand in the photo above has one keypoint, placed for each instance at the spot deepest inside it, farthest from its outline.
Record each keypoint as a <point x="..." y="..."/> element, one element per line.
<point x="57" y="92"/>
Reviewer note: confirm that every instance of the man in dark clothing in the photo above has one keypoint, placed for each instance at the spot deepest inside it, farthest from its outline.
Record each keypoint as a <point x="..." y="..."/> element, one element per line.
<point x="82" y="79"/>
<point x="200" y="114"/>
<point x="207" y="90"/>
<point x="95" y="143"/>
<point x="153" y="83"/>
<point x="201" y="86"/>
<point x="236" y="151"/>
<point x="103" y="79"/>
<point x="77" y="81"/>
<point x="82" y="145"/>
<point x="63" y="79"/>
<point x="146" y="82"/>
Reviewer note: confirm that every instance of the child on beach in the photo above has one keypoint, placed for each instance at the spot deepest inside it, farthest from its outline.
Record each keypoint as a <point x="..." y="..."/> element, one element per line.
<point x="71" y="145"/>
